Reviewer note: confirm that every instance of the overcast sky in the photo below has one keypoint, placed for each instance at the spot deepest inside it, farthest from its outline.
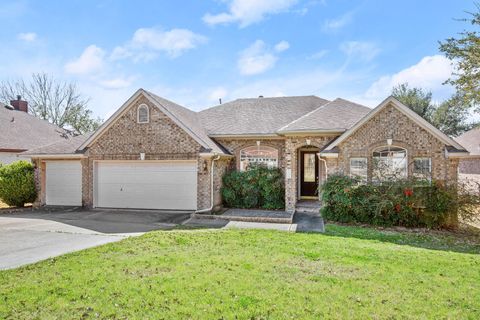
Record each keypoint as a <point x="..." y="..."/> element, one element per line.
<point x="195" y="52"/>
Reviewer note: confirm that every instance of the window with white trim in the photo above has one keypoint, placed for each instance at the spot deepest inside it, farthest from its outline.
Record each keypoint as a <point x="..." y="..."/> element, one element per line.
<point x="142" y="114"/>
<point x="358" y="168"/>
<point x="258" y="155"/>
<point x="389" y="163"/>
<point x="422" y="168"/>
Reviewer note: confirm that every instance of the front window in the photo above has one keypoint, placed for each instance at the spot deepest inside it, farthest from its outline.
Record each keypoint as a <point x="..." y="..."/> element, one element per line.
<point x="389" y="163"/>
<point x="258" y="155"/>
<point x="358" y="168"/>
<point x="422" y="168"/>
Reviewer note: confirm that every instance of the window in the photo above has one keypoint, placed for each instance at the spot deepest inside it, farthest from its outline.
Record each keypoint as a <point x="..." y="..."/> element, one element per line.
<point x="258" y="155"/>
<point x="422" y="168"/>
<point x="358" y="168"/>
<point x="389" y="163"/>
<point x="142" y="114"/>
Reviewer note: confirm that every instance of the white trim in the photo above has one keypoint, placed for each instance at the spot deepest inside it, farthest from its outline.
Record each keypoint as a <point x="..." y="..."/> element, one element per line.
<point x="458" y="155"/>
<point x="248" y="135"/>
<point x="143" y="106"/>
<point x="127" y="104"/>
<point x="405" y="110"/>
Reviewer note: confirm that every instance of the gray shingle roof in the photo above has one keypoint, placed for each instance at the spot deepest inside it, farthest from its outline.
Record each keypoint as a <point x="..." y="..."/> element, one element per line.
<point x="190" y="119"/>
<point x="257" y="115"/>
<point x="471" y="141"/>
<point x="67" y="145"/>
<point x="22" y="131"/>
<point x="338" y="114"/>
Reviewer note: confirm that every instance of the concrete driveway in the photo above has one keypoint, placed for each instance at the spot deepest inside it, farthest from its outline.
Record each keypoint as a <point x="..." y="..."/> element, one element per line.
<point x="32" y="236"/>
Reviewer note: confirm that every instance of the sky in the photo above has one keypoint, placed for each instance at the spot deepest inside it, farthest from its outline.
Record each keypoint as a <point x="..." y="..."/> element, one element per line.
<point x="196" y="52"/>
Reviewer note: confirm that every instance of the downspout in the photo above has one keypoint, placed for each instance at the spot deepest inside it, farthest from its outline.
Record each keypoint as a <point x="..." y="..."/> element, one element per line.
<point x="214" y="158"/>
<point x="326" y="171"/>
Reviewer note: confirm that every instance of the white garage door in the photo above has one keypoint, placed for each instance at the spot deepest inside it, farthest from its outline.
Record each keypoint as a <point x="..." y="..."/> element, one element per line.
<point x="147" y="185"/>
<point x="63" y="181"/>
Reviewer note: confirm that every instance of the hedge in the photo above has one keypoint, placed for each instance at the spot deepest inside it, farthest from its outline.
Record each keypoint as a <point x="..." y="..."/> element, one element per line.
<point x="409" y="203"/>
<point x="17" y="183"/>
<point x="258" y="187"/>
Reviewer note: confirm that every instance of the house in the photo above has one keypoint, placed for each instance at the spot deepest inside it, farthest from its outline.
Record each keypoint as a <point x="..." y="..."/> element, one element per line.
<point x="21" y="131"/>
<point x="471" y="141"/>
<point x="155" y="154"/>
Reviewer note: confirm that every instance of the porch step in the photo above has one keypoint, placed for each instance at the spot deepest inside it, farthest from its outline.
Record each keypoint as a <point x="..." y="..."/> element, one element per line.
<point x="308" y="206"/>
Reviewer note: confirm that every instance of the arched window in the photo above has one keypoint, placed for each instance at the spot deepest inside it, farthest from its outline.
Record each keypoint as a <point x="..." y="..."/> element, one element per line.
<point x="389" y="163"/>
<point x="258" y="155"/>
<point x="142" y="114"/>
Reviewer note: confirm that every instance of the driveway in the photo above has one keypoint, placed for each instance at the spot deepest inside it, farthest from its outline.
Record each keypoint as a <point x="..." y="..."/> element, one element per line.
<point x="32" y="236"/>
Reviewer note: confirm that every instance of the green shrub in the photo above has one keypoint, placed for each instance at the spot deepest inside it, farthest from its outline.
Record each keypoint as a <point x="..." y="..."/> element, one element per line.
<point x="259" y="187"/>
<point x="409" y="203"/>
<point x="17" y="183"/>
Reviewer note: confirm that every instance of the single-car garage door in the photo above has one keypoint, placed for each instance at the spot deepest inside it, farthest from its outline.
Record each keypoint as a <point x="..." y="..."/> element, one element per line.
<point x="168" y="185"/>
<point x="63" y="183"/>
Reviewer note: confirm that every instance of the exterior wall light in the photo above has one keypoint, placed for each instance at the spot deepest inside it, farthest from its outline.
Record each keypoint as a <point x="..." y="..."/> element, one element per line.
<point x="389" y="141"/>
<point x="308" y="141"/>
<point x="142" y="156"/>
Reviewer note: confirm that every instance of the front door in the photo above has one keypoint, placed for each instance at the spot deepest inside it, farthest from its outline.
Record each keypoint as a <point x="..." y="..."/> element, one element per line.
<point x="308" y="174"/>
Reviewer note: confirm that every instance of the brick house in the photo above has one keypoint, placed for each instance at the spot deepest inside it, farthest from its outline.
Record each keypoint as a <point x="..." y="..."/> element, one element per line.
<point x="155" y="154"/>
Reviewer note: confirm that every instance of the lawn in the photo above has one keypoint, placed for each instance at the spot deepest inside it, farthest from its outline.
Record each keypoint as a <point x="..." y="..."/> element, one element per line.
<point x="349" y="272"/>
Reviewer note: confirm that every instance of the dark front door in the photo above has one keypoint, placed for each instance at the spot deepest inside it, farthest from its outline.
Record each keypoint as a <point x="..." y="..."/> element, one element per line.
<point x="308" y="174"/>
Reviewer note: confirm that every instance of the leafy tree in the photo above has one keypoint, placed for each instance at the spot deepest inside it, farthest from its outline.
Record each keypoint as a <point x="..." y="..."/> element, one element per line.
<point x="465" y="52"/>
<point x="55" y="101"/>
<point x="450" y="116"/>
<point x="17" y="183"/>
<point x="416" y="99"/>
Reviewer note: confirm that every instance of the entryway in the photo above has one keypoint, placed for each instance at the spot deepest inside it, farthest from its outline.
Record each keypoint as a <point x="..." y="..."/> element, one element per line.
<point x="309" y="173"/>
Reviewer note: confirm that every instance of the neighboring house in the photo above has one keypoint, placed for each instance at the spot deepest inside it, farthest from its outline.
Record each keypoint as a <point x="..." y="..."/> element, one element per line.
<point x="20" y="131"/>
<point x="155" y="154"/>
<point x="471" y="141"/>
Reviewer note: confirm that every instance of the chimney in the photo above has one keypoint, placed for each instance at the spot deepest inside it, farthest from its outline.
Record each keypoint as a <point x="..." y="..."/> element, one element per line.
<point x="19" y="104"/>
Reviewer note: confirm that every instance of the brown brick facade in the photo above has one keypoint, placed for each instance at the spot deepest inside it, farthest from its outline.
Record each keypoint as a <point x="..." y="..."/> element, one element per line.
<point x="469" y="165"/>
<point x="391" y="123"/>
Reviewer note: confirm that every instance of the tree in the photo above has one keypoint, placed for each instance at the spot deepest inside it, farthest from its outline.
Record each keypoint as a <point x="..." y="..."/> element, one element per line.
<point x="416" y="99"/>
<point x="451" y="116"/>
<point x="55" y="101"/>
<point x="465" y="52"/>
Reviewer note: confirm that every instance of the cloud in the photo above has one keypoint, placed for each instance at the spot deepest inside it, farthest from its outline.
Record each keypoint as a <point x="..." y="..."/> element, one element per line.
<point x="318" y="55"/>
<point x="282" y="46"/>
<point x="429" y="73"/>
<point x="332" y="25"/>
<point x="247" y="12"/>
<point x="91" y="60"/>
<point x="27" y="37"/>
<point x="146" y="43"/>
<point x="117" y="83"/>
<point x="259" y="58"/>
<point x="360" y="50"/>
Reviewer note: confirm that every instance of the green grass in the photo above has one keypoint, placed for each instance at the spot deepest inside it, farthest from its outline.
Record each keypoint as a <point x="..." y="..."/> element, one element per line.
<point x="349" y="272"/>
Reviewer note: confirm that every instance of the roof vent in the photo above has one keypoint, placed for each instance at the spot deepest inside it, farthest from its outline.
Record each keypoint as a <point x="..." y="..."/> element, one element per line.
<point x="260" y="96"/>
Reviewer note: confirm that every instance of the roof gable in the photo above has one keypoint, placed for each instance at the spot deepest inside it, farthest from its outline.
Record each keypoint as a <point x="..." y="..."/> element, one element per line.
<point x="335" y="116"/>
<point x="471" y="141"/>
<point x="184" y="118"/>
<point x="405" y="110"/>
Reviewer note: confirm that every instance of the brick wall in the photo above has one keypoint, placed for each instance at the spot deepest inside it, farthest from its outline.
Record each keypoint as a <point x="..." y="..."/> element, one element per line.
<point x="160" y="139"/>
<point x="391" y="123"/>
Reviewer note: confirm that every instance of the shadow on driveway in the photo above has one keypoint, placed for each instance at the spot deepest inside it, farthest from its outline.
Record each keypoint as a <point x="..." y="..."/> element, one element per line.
<point x="107" y="221"/>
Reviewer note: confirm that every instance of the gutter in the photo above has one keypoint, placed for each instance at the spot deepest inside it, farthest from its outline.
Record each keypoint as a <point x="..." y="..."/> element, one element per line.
<point x="53" y="156"/>
<point x="214" y="158"/>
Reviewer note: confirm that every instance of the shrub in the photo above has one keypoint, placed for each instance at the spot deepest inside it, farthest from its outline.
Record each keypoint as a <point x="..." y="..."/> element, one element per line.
<point x="409" y="203"/>
<point x="17" y="183"/>
<point x="258" y="187"/>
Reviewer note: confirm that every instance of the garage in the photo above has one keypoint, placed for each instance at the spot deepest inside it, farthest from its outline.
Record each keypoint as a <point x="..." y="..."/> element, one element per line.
<point x="168" y="185"/>
<point x="63" y="183"/>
